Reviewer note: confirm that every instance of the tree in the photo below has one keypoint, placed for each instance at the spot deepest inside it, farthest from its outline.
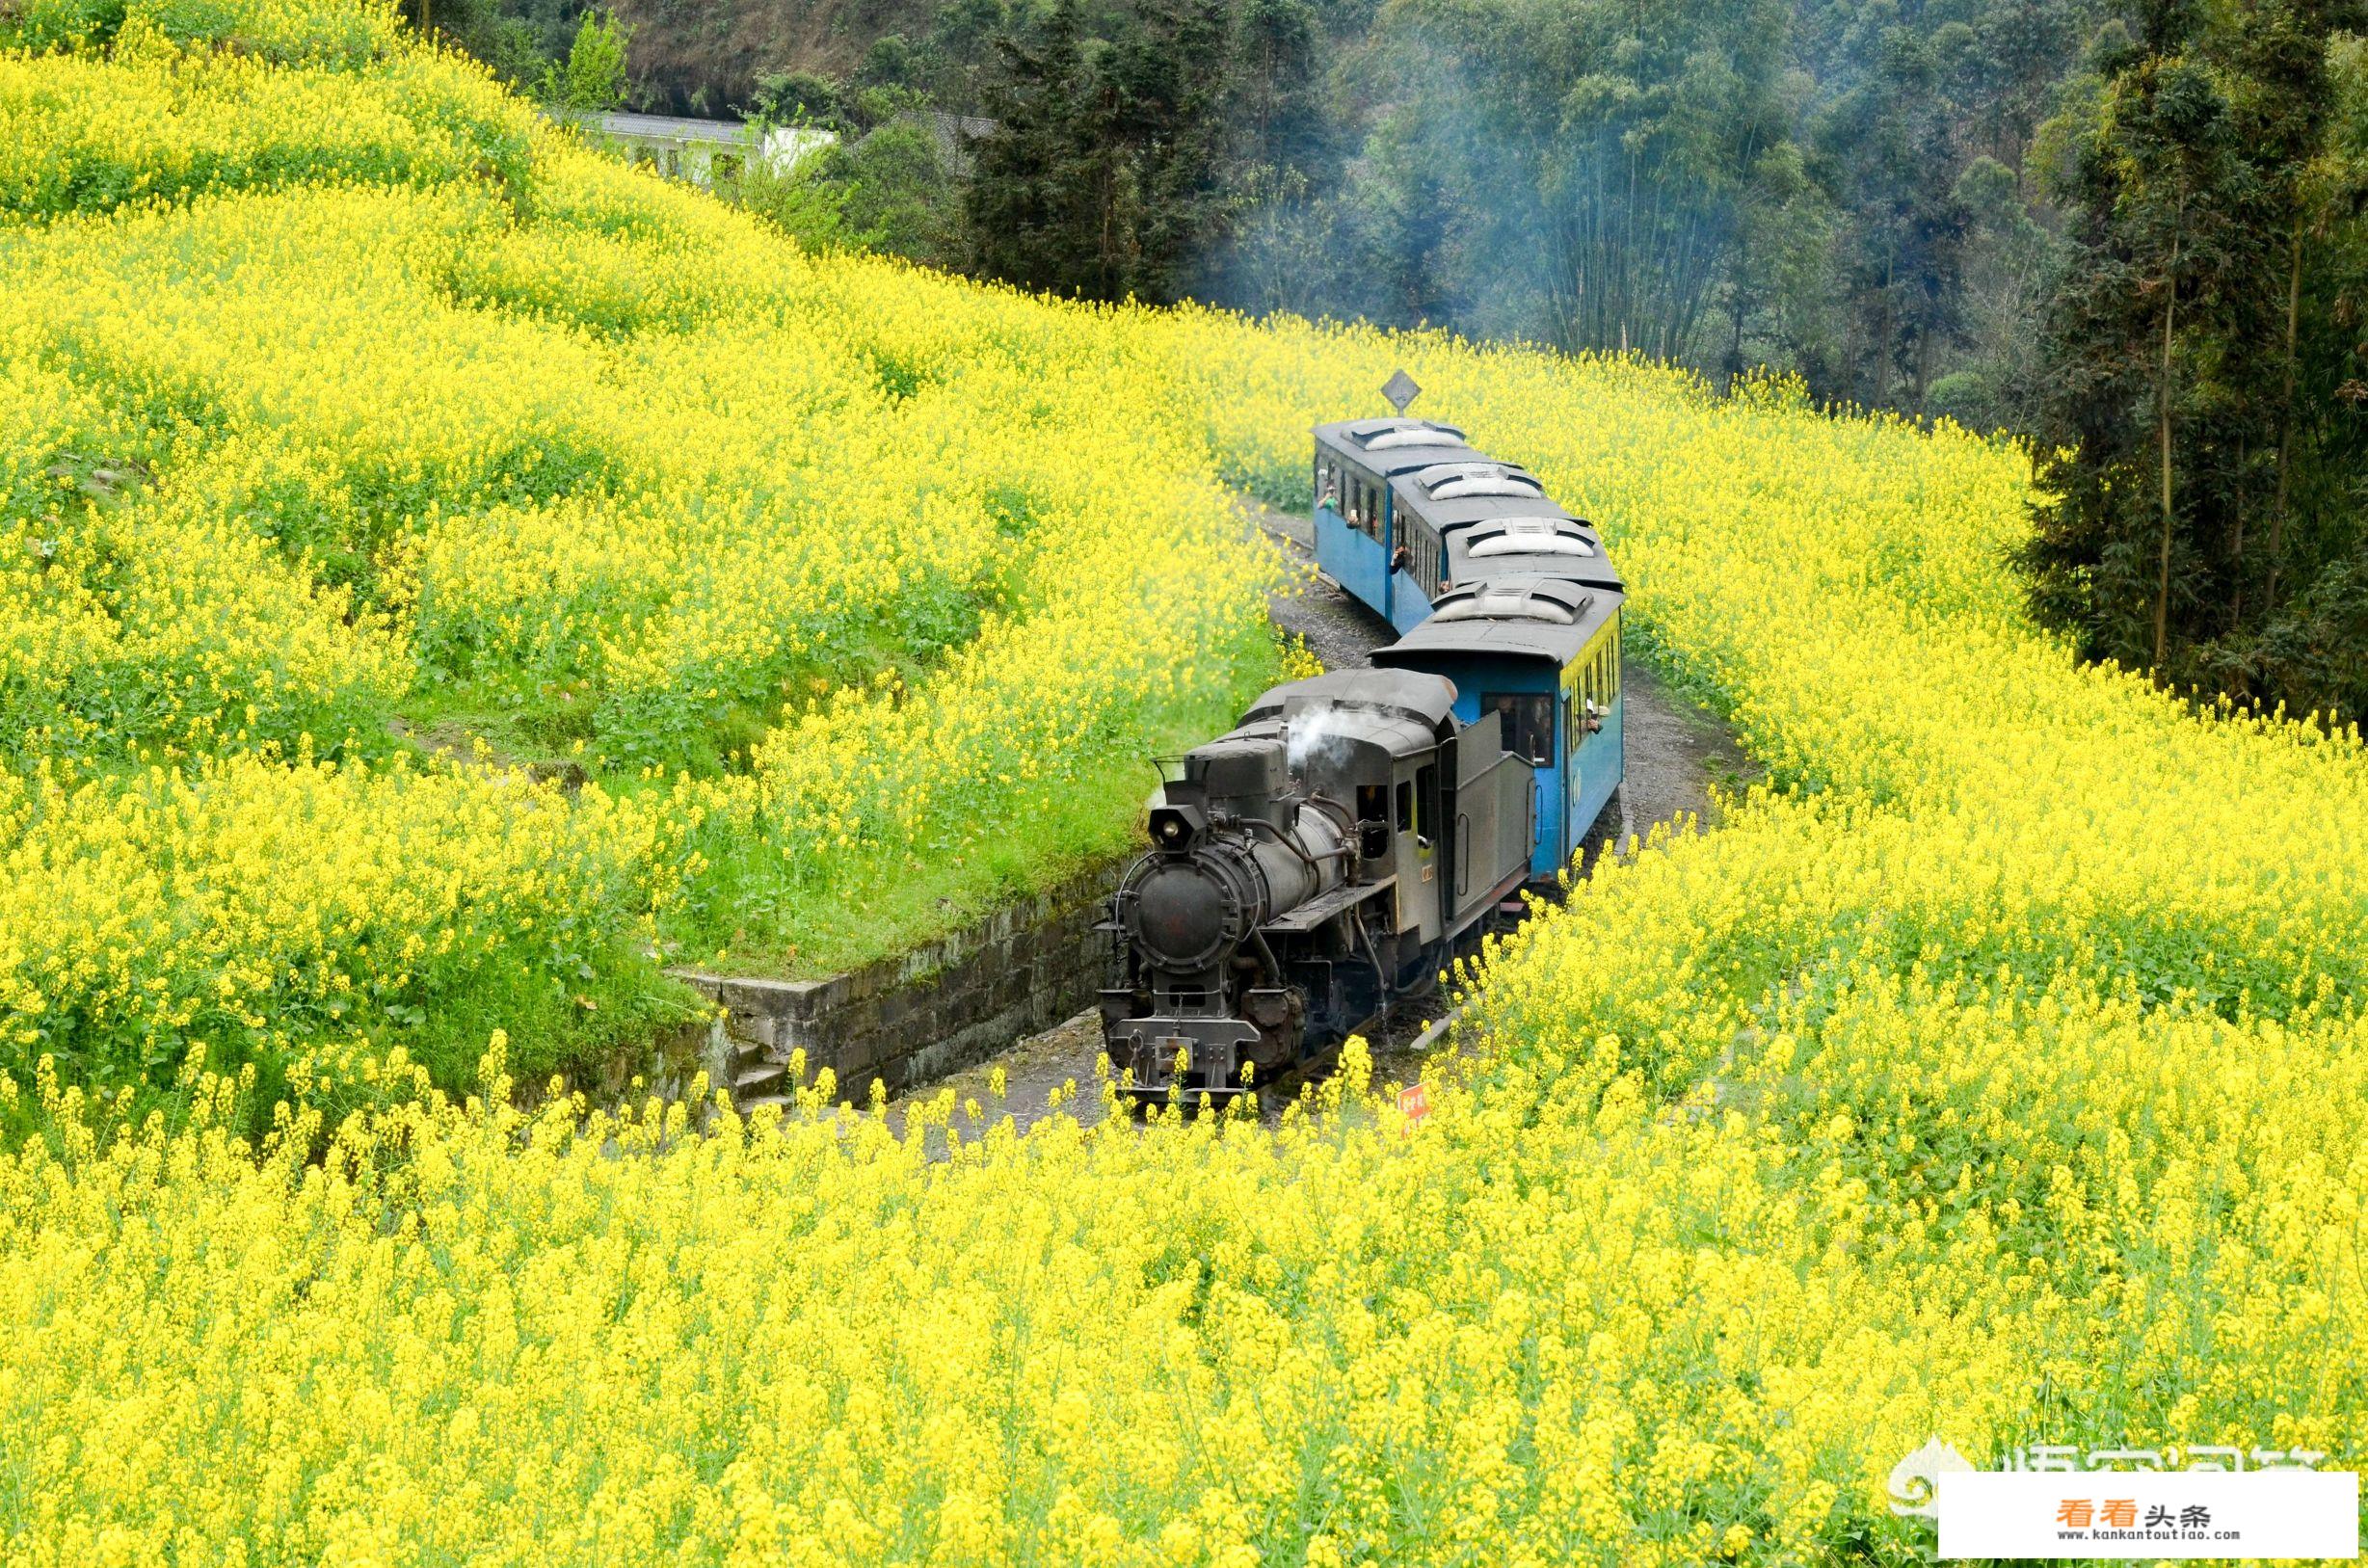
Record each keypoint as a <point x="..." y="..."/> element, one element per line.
<point x="901" y="198"/>
<point x="1901" y="254"/>
<point x="593" y="79"/>
<point x="1597" y="157"/>
<point x="2183" y="344"/>
<point x="1107" y="168"/>
<point x="1041" y="188"/>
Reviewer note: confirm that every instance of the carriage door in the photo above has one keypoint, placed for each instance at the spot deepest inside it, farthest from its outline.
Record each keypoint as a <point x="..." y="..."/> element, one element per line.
<point x="1527" y="720"/>
<point x="1427" y="828"/>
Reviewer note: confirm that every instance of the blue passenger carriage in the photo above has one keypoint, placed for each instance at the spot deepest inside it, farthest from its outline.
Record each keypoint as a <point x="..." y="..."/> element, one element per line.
<point x="1492" y="585"/>
<point x="1359" y="540"/>
<point x="1543" y="655"/>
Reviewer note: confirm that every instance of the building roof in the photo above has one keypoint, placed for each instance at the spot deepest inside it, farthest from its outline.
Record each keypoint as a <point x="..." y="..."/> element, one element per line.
<point x="673" y="128"/>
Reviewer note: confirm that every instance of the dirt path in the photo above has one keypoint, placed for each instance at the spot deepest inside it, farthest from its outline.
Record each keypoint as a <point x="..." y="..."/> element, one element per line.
<point x="1675" y="752"/>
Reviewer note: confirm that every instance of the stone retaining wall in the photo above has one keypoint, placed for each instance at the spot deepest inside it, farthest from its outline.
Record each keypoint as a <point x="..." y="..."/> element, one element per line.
<point x="924" y="1015"/>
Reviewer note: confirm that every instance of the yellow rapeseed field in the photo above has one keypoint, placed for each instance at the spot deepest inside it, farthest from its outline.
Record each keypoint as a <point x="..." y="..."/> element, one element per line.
<point x="1993" y="1073"/>
<point x="381" y="464"/>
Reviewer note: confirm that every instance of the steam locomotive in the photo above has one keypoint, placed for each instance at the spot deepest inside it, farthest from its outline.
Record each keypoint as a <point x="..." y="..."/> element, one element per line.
<point x="1332" y="852"/>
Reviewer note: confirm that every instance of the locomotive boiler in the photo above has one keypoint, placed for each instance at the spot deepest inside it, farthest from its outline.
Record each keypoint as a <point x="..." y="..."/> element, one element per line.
<point x="1327" y="856"/>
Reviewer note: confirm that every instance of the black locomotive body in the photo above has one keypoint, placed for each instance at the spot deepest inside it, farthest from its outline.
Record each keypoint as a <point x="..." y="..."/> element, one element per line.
<point x="1323" y="858"/>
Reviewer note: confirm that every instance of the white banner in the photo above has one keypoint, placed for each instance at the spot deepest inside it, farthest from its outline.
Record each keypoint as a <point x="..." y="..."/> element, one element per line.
<point x="2149" y="1513"/>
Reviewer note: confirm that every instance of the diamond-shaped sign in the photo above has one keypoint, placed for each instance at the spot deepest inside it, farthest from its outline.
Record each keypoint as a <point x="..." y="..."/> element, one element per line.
<point x="1401" y="391"/>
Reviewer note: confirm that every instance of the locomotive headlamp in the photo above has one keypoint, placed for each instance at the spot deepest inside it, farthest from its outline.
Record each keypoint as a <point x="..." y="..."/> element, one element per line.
<point x="1175" y="827"/>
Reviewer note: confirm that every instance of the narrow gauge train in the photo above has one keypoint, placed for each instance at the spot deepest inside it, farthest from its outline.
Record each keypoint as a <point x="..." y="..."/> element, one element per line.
<point x="1331" y="853"/>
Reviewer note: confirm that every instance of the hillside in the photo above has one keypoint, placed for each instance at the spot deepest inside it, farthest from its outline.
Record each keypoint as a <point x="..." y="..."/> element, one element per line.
<point x="1992" y="1073"/>
<point x="712" y="57"/>
<point x="384" y="466"/>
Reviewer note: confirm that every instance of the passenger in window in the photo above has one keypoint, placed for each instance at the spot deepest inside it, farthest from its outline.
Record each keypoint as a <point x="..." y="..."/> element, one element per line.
<point x="1402" y="560"/>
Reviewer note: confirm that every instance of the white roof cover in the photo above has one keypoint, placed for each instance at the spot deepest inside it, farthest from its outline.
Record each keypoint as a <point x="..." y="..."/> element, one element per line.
<point x="1534" y="535"/>
<point x="1389" y="441"/>
<point x="1497" y="604"/>
<point x="1447" y="481"/>
<point x="1490" y="485"/>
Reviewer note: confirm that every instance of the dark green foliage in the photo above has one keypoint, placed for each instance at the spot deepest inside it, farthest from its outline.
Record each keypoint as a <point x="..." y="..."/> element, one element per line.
<point x="520" y="39"/>
<point x="1107" y="164"/>
<point x="1730" y="183"/>
<point x="802" y="98"/>
<point x="2199" y="411"/>
<point x="901" y="196"/>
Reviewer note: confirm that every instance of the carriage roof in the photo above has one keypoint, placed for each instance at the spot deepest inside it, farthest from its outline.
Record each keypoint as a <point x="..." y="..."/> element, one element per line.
<point x="1428" y="698"/>
<point x="1512" y="617"/>
<point x="1546" y="543"/>
<point x="1395" y="446"/>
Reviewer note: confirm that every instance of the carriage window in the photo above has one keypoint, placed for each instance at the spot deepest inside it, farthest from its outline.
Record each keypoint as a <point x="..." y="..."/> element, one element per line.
<point x="1426" y="785"/>
<point x="1526" y="719"/>
<point x="1405" y="806"/>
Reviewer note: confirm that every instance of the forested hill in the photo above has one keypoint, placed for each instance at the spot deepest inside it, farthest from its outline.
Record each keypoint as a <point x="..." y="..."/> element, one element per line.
<point x="1852" y="188"/>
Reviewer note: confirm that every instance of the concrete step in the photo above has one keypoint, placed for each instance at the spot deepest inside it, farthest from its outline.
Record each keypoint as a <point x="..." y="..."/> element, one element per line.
<point x="749" y="1107"/>
<point x="756" y="1079"/>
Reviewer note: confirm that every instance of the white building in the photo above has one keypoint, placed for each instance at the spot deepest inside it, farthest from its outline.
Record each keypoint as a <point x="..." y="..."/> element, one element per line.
<point x="698" y="150"/>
